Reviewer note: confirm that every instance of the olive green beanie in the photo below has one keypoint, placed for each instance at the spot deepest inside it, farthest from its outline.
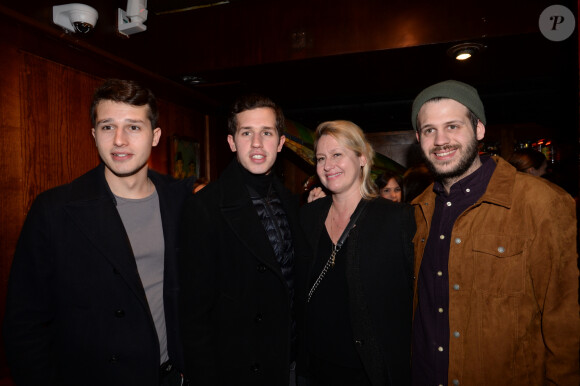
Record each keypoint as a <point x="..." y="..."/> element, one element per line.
<point x="452" y="89"/>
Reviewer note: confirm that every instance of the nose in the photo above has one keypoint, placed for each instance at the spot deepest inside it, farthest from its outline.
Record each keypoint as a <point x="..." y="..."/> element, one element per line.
<point x="328" y="164"/>
<point x="441" y="138"/>
<point x="256" y="141"/>
<point x="120" y="138"/>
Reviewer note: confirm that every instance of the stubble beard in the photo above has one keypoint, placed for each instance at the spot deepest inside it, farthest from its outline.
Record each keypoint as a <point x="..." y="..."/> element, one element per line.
<point x="467" y="159"/>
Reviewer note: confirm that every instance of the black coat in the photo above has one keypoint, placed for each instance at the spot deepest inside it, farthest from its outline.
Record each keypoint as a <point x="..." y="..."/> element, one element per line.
<point x="379" y="273"/>
<point x="236" y="314"/>
<point x="76" y="310"/>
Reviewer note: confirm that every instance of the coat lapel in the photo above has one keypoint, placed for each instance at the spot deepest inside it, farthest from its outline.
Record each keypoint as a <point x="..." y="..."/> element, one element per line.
<point x="239" y="213"/>
<point x="92" y="210"/>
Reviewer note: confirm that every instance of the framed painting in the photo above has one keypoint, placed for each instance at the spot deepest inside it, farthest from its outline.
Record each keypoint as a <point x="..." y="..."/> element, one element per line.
<point x="184" y="157"/>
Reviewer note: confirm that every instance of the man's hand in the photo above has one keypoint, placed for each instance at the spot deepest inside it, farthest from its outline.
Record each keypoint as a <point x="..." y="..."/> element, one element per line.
<point x="315" y="194"/>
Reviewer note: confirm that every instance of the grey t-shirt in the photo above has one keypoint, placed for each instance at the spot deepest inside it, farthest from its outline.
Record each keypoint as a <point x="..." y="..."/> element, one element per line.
<point x="142" y="221"/>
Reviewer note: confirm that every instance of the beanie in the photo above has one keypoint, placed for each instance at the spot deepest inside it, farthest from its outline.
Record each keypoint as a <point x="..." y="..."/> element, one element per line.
<point x="452" y="89"/>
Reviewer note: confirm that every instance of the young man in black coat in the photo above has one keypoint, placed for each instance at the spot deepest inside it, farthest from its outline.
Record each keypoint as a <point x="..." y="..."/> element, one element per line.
<point x="240" y="238"/>
<point x="92" y="291"/>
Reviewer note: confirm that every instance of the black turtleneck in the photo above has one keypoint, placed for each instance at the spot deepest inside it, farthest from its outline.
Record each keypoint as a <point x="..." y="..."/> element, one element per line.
<point x="260" y="183"/>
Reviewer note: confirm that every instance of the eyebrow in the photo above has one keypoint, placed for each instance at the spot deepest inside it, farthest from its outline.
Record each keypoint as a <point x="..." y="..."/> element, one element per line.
<point x="127" y="120"/>
<point x="259" y="128"/>
<point x="330" y="151"/>
<point x="454" y="121"/>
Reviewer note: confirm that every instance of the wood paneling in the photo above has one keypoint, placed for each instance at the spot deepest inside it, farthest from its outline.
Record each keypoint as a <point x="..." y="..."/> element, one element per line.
<point x="11" y="196"/>
<point x="57" y="144"/>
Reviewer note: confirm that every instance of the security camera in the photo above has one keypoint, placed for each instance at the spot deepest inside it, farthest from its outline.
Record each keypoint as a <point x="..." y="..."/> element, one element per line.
<point x="131" y="21"/>
<point x="75" y="17"/>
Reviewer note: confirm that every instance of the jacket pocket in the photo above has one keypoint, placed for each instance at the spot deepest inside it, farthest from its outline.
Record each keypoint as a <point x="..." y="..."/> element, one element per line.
<point x="500" y="264"/>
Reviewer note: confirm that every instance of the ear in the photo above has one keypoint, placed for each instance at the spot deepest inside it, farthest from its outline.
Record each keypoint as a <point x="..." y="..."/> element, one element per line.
<point x="480" y="131"/>
<point x="93" y="133"/>
<point x="156" y="136"/>
<point x="231" y="143"/>
<point x="417" y="136"/>
<point x="362" y="160"/>
<point x="282" y="140"/>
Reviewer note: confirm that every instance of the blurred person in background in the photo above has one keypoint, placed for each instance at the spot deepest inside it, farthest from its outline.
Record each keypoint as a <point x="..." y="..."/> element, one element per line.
<point x="529" y="161"/>
<point x="390" y="186"/>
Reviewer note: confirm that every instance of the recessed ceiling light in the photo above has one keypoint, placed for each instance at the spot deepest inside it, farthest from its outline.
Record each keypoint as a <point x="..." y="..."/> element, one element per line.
<point x="192" y="80"/>
<point x="465" y="51"/>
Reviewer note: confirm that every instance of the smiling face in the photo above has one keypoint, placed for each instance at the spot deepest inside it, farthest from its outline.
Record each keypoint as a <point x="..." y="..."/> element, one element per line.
<point x="391" y="191"/>
<point x="124" y="138"/>
<point x="256" y="142"/>
<point x="338" y="167"/>
<point x="448" y="141"/>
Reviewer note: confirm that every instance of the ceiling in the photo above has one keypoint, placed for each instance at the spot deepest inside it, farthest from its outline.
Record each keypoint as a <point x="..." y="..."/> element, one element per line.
<point x="363" y="61"/>
<point x="537" y="84"/>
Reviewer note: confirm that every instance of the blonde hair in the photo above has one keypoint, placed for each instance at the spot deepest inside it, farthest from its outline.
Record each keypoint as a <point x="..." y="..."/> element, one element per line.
<point x="352" y="137"/>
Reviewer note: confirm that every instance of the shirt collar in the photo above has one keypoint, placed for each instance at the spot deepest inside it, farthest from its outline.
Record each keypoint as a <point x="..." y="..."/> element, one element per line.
<point x="476" y="182"/>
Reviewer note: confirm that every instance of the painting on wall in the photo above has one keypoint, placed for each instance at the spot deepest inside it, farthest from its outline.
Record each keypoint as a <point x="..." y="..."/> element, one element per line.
<point x="184" y="157"/>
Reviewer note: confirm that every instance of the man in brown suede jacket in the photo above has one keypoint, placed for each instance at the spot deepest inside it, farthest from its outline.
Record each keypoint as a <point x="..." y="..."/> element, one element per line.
<point x="496" y="295"/>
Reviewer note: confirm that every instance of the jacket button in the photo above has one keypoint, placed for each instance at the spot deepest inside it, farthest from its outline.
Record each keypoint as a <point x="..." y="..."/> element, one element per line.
<point x="501" y="249"/>
<point x="119" y="313"/>
<point x="456" y="287"/>
<point x="114" y="359"/>
<point x="255" y="367"/>
<point x="258" y="318"/>
<point x="456" y="382"/>
<point x="261" y="267"/>
<point x="358" y="342"/>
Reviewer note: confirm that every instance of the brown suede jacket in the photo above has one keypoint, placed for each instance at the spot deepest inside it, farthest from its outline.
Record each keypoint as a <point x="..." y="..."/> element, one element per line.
<point x="513" y="283"/>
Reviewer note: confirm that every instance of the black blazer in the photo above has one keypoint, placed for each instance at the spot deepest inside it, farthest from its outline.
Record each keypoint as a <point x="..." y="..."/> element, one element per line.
<point x="379" y="276"/>
<point x="236" y="314"/>
<point x="76" y="309"/>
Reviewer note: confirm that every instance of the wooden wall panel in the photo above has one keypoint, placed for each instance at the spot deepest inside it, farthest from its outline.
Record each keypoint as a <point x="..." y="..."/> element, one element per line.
<point x="11" y="197"/>
<point x="57" y="141"/>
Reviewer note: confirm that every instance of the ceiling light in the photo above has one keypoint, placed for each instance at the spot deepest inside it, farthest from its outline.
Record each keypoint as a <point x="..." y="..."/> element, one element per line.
<point x="192" y="80"/>
<point x="465" y="51"/>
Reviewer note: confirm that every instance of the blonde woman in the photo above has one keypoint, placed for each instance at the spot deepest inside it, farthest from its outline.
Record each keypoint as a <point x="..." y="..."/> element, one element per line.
<point x="356" y="291"/>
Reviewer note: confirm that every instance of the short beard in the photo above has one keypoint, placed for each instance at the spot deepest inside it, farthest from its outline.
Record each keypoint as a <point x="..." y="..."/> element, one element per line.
<point x="471" y="152"/>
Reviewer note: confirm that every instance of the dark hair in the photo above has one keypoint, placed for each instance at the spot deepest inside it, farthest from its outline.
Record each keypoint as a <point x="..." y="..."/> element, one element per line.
<point x="470" y="115"/>
<point x="523" y="159"/>
<point x="125" y="91"/>
<point x="382" y="181"/>
<point x="251" y="102"/>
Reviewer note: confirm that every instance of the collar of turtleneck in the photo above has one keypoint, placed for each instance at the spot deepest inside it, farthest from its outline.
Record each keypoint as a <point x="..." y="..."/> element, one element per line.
<point x="260" y="183"/>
